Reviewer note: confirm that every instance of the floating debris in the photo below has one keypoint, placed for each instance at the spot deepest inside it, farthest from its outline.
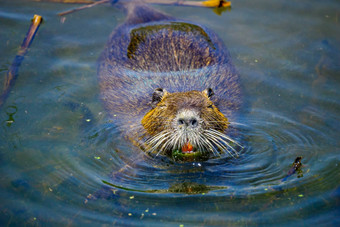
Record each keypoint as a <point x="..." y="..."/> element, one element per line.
<point x="295" y="167"/>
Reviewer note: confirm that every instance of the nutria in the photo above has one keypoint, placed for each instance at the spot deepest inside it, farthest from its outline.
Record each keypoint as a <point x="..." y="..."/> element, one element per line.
<point x="168" y="84"/>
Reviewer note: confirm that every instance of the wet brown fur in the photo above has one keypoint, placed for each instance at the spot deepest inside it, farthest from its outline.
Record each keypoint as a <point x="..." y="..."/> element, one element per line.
<point x="152" y="50"/>
<point x="162" y="116"/>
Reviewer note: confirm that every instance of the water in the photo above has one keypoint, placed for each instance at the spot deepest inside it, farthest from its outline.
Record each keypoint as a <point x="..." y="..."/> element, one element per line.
<point x="54" y="154"/>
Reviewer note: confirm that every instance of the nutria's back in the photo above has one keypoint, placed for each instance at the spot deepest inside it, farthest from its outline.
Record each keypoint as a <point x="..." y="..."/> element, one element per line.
<point x="152" y="50"/>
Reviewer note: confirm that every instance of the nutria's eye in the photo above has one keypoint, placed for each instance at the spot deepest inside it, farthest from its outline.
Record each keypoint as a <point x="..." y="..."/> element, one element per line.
<point x="208" y="92"/>
<point x="157" y="96"/>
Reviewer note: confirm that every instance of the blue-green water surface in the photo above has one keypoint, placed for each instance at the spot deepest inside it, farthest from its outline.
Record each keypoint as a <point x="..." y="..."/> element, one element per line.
<point x="59" y="150"/>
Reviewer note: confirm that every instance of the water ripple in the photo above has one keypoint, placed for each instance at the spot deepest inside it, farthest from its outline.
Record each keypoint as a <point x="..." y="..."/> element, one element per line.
<point x="271" y="144"/>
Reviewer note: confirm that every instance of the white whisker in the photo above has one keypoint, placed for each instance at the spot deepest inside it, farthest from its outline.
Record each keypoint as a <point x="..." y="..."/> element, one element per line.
<point x="222" y="145"/>
<point x="224" y="136"/>
<point x="156" y="141"/>
<point x="211" y="147"/>
<point x="236" y="123"/>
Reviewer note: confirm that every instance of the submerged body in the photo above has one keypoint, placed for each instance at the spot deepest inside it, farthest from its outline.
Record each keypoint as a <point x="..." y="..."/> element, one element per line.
<point x="169" y="83"/>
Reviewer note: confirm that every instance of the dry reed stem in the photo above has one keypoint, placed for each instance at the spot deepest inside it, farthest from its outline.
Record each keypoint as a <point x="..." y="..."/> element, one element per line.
<point x="12" y="72"/>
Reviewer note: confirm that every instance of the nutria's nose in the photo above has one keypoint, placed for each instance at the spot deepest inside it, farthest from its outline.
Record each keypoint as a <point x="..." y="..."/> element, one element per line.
<point x="187" y="118"/>
<point x="188" y="122"/>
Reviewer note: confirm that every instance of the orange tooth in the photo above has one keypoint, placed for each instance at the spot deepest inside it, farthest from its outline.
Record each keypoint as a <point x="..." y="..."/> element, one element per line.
<point x="187" y="147"/>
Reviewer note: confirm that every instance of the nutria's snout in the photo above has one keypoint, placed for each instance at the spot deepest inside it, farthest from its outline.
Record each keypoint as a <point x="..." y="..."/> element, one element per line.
<point x="187" y="119"/>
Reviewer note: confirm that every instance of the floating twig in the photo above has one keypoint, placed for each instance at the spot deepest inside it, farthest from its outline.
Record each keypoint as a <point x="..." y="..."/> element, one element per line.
<point x="68" y="1"/>
<point x="210" y="4"/>
<point x="83" y="7"/>
<point x="295" y="167"/>
<point x="12" y="73"/>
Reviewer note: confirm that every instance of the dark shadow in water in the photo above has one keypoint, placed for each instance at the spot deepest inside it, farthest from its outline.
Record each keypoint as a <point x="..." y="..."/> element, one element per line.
<point x="108" y="192"/>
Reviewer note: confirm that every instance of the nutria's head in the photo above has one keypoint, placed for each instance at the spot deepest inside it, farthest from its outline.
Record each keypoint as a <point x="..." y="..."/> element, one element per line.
<point x="185" y="123"/>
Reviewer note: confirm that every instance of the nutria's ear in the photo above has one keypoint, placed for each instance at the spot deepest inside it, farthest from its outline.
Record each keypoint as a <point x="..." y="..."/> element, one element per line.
<point x="157" y="96"/>
<point x="208" y="92"/>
